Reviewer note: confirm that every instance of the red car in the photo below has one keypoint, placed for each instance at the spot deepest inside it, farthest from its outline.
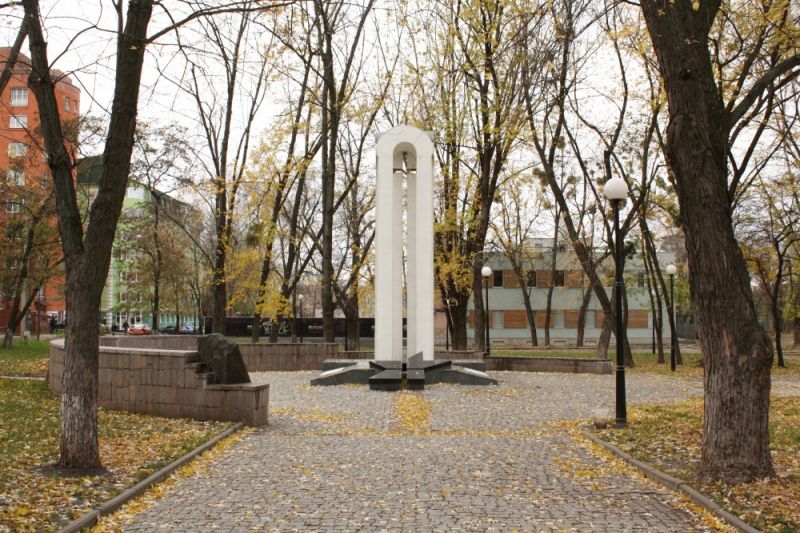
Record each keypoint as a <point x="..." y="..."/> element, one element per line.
<point x="139" y="329"/>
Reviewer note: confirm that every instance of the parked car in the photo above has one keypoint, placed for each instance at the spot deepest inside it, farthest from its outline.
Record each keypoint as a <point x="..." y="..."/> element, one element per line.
<point x="139" y="329"/>
<point x="170" y="330"/>
<point x="188" y="329"/>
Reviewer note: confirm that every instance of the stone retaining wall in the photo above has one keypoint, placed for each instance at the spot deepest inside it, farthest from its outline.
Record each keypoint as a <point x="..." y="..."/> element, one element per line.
<point x="549" y="364"/>
<point x="287" y="357"/>
<point x="166" y="383"/>
<point x="452" y="355"/>
<point x="158" y="342"/>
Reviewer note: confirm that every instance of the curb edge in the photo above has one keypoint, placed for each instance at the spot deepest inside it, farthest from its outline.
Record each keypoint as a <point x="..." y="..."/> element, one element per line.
<point x="109" y="506"/>
<point x="674" y="484"/>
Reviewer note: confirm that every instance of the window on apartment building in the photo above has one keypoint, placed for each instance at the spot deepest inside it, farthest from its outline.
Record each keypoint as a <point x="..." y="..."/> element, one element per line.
<point x="17" y="177"/>
<point x="19" y="96"/>
<point x="66" y="103"/>
<point x="13" y="207"/>
<point x="530" y="278"/>
<point x="497" y="278"/>
<point x="129" y="277"/>
<point x="17" y="149"/>
<point x="558" y="280"/>
<point x="130" y="297"/>
<point x="14" y="264"/>
<point x="640" y="279"/>
<point x="18" y="121"/>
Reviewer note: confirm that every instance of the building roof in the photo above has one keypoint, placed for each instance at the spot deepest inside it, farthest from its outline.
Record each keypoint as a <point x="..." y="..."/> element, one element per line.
<point x="23" y="66"/>
<point x="90" y="170"/>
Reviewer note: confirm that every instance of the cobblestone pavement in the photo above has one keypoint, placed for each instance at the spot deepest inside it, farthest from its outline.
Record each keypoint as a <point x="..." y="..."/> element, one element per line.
<point x="450" y="458"/>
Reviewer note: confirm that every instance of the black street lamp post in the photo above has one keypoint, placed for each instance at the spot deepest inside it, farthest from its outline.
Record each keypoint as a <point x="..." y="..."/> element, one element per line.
<point x="616" y="190"/>
<point x="300" y="299"/>
<point x="486" y="272"/>
<point x="672" y="270"/>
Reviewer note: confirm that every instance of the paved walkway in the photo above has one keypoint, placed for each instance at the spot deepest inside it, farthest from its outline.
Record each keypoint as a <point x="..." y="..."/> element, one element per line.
<point x="447" y="459"/>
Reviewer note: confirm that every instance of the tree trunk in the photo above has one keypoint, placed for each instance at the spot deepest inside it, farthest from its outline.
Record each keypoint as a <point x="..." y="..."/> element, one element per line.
<point x="8" y="338"/>
<point x="775" y="307"/>
<point x="79" y="444"/>
<point x="87" y="255"/>
<point x="522" y="281"/>
<point x="653" y="293"/>
<point x="548" y="312"/>
<point x="353" y="324"/>
<point x="330" y="129"/>
<point x="156" y="268"/>
<point x="479" y="334"/>
<point x="587" y="298"/>
<point x="660" y="336"/>
<point x="458" y="330"/>
<point x="13" y="321"/>
<point x="737" y="351"/>
<point x="219" y="297"/>
<point x="177" y="307"/>
<point x="529" y="313"/>
<point x="777" y="327"/>
<point x="275" y="328"/>
<point x="626" y="347"/>
<point x="604" y="341"/>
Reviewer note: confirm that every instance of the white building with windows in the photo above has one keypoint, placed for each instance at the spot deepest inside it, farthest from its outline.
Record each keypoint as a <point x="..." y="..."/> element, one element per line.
<point x="508" y="323"/>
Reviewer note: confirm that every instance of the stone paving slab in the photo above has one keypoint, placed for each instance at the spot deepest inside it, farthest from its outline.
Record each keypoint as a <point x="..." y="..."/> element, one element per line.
<point x="414" y="483"/>
<point x="490" y="459"/>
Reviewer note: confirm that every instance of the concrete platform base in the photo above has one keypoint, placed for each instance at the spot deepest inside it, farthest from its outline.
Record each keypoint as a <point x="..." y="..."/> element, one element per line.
<point x="396" y="375"/>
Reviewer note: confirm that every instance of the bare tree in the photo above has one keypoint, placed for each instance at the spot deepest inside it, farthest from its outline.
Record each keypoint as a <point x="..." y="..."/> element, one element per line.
<point x="233" y="45"/>
<point x="706" y="109"/>
<point x="513" y="233"/>
<point x="87" y="249"/>
<point x="468" y="88"/>
<point x="331" y="19"/>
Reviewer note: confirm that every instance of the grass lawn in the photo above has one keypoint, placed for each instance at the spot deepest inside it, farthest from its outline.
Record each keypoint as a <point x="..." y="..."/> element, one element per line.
<point x="34" y="498"/>
<point x="25" y="358"/>
<point x="669" y="437"/>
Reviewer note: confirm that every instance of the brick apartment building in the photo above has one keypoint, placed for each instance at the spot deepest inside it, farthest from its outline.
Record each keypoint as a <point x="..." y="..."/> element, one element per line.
<point x="25" y="184"/>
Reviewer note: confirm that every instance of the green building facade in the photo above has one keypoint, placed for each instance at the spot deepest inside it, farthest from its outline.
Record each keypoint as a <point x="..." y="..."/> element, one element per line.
<point x="129" y="290"/>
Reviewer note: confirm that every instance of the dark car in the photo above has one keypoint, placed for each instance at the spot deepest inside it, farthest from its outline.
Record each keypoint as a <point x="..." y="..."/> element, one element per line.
<point x="171" y="330"/>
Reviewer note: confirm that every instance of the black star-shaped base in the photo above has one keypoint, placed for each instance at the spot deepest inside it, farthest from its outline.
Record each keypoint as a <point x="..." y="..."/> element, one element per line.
<point x="415" y="373"/>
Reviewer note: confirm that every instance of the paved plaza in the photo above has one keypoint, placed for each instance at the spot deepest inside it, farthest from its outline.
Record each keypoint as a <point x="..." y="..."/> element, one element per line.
<point x="450" y="458"/>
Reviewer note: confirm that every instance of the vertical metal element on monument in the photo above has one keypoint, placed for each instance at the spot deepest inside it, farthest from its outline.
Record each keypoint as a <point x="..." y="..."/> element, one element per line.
<point x="404" y="152"/>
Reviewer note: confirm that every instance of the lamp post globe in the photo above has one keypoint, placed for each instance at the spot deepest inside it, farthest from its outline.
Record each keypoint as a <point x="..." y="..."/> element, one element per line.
<point x="616" y="190"/>
<point x="672" y="270"/>
<point x="486" y="271"/>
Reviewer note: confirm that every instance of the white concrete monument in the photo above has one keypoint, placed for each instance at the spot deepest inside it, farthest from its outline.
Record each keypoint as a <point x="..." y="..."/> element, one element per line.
<point x="404" y="152"/>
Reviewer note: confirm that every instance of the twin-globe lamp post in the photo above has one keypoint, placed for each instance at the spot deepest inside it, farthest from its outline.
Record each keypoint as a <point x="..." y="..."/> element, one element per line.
<point x="486" y="272"/>
<point x="616" y="190"/>
<point x="672" y="270"/>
